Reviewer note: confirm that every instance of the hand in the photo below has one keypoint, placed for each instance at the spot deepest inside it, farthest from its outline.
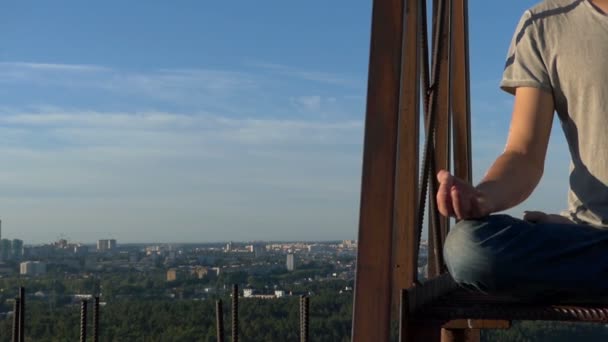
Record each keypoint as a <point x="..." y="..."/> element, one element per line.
<point x="460" y="199"/>
<point x="540" y="217"/>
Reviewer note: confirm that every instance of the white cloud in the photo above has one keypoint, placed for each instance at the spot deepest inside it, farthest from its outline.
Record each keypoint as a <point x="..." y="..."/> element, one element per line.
<point x="220" y="152"/>
<point x="308" y="103"/>
<point x="189" y="167"/>
<point x="177" y="85"/>
<point x="52" y="67"/>
<point x="309" y="75"/>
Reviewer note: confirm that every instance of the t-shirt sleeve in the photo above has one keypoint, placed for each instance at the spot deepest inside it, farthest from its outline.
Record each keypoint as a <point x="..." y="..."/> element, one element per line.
<point x="525" y="66"/>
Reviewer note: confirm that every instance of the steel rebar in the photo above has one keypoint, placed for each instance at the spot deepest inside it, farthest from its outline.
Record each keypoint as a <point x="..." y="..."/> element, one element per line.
<point x="83" y="320"/>
<point x="301" y="316"/>
<point x="21" y="337"/>
<point x="235" y="313"/>
<point x="219" y="320"/>
<point x="16" y="320"/>
<point x="428" y="155"/>
<point x="305" y="318"/>
<point x="96" y="319"/>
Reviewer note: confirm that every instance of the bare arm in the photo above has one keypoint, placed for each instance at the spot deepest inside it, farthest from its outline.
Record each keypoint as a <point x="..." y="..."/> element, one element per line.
<point x="515" y="173"/>
<point x="518" y="170"/>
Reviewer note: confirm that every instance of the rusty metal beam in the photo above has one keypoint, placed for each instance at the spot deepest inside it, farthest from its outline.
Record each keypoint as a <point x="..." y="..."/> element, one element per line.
<point x="477" y="324"/>
<point x="460" y="335"/>
<point x="392" y="200"/>
<point x="372" y="300"/>
<point x="405" y="266"/>
<point x="461" y="103"/>
<point x="439" y="225"/>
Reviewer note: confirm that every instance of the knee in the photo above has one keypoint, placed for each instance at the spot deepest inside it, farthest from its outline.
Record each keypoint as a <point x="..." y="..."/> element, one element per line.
<point x="469" y="259"/>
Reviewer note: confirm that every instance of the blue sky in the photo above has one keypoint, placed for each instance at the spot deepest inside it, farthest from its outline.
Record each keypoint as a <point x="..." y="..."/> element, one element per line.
<point x="208" y="121"/>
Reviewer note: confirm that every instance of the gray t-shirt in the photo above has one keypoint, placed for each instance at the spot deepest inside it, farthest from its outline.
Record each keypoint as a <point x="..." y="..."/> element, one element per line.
<point x="562" y="46"/>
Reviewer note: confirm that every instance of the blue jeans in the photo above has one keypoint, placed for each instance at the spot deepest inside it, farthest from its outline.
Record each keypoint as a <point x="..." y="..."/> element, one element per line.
<point x="507" y="256"/>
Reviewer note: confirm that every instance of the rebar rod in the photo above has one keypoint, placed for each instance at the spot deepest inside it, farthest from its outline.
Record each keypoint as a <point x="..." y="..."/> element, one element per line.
<point x="235" y="313"/>
<point x="21" y="314"/>
<point x="83" y="320"/>
<point x="219" y="320"/>
<point x="16" y="307"/>
<point x="96" y="319"/>
<point x="428" y="156"/>
<point x="301" y="316"/>
<point x="305" y="319"/>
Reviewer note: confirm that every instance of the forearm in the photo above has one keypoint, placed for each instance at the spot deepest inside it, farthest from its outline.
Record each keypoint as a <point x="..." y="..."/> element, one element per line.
<point x="509" y="181"/>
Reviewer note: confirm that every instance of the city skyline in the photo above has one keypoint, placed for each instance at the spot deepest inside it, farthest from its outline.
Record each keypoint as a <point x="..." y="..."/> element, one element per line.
<point x="209" y="121"/>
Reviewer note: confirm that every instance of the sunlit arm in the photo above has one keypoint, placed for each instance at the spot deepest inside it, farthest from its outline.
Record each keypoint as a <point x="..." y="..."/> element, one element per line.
<point x="517" y="171"/>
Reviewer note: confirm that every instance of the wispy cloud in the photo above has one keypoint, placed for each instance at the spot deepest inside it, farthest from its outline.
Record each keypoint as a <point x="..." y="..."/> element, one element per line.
<point x="224" y="92"/>
<point x="63" y="158"/>
<point x="53" y="67"/>
<point x="179" y="143"/>
<point x="309" y="75"/>
<point x="168" y="84"/>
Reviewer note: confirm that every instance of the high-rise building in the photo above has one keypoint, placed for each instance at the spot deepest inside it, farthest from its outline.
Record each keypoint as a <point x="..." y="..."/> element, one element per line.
<point x="258" y="249"/>
<point x="81" y="250"/>
<point x="290" y="262"/>
<point x="17" y="249"/>
<point x="32" y="268"/>
<point x="106" y="245"/>
<point x="5" y="249"/>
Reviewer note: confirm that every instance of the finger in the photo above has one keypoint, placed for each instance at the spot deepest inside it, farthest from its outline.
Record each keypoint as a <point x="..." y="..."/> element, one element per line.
<point x="444" y="176"/>
<point x="456" y="202"/>
<point x="444" y="202"/>
<point x="466" y="199"/>
<point x="479" y="208"/>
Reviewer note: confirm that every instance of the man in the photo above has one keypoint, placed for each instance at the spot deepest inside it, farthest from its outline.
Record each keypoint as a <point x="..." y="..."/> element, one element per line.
<point x="558" y="62"/>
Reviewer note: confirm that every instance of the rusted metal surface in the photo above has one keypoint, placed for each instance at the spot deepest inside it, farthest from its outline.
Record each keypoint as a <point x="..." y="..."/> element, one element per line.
<point x="463" y="304"/>
<point x="410" y="330"/>
<point x="83" y="321"/>
<point x="219" y="321"/>
<point x="16" y="307"/>
<point x="396" y="183"/>
<point x="372" y="299"/>
<point x="433" y="118"/>
<point x="460" y="335"/>
<point x="430" y="291"/>
<point x="404" y="239"/>
<point x="477" y="324"/>
<point x="441" y="91"/>
<point x="461" y="104"/>
<point x="404" y="316"/>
